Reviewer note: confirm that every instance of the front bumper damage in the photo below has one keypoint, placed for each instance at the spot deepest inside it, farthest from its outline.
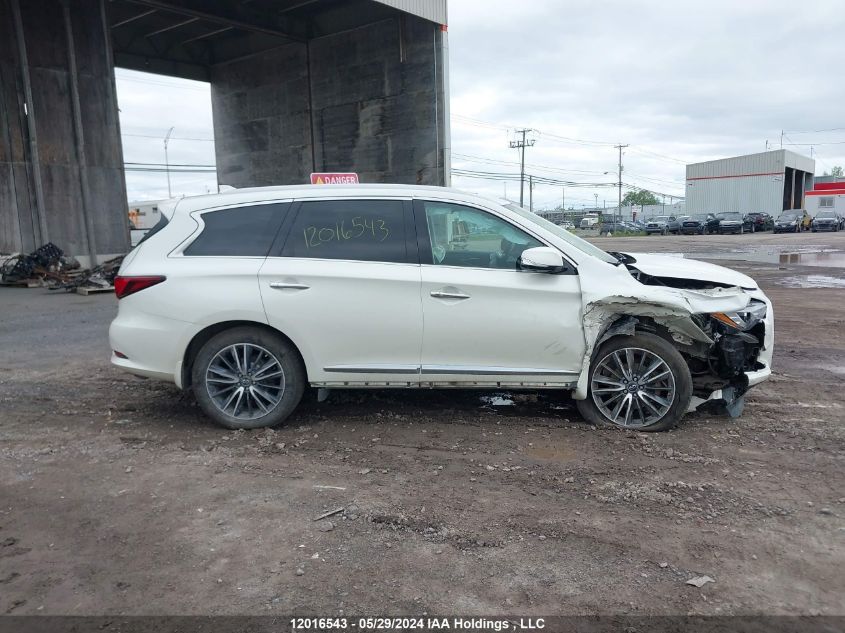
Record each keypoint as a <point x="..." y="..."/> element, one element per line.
<point x="724" y="361"/>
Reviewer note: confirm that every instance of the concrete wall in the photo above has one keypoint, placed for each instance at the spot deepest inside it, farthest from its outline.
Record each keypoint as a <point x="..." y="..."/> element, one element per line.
<point x="376" y="108"/>
<point x="61" y="171"/>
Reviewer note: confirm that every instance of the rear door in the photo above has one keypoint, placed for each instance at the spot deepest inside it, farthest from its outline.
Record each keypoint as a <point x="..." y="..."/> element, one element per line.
<point x="343" y="283"/>
<point x="486" y="322"/>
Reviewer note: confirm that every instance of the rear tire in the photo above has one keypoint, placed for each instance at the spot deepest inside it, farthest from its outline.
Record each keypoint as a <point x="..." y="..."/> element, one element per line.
<point x="248" y="378"/>
<point x="653" y="404"/>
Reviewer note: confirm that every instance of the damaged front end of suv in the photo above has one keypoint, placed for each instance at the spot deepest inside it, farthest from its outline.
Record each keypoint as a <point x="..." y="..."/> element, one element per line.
<point x="718" y="319"/>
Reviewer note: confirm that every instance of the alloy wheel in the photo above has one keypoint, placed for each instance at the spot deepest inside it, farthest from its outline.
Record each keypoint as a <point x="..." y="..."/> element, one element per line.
<point x="245" y="381"/>
<point x="633" y="387"/>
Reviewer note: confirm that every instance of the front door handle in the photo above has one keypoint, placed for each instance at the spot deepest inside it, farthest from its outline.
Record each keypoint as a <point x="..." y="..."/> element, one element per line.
<point x="280" y="285"/>
<point x="439" y="294"/>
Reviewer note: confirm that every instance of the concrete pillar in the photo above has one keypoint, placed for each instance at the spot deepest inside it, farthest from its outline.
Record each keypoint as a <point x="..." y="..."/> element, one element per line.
<point x="368" y="100"/>
<point x="61" y="162"/>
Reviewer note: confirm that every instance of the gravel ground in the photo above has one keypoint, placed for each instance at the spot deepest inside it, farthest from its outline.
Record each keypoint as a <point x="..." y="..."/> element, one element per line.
<point x="118" y="497"/>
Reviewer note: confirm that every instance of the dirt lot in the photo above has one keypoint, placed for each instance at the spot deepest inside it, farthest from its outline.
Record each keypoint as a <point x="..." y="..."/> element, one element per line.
<point x="118" y="497"/>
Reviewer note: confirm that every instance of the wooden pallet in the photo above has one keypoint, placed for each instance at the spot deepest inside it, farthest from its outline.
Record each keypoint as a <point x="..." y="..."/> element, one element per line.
<point x="24" y="283"/>
<point x="93" y="290"/>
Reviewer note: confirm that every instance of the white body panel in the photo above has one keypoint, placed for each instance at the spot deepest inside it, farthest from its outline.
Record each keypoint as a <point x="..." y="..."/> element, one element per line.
<point x="489" y="319"/>
<point x="346" y="317"/>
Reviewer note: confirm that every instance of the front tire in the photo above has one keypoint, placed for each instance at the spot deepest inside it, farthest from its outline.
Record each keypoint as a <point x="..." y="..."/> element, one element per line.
<point x="638" y="382"/>
<point x="248" y="378"/>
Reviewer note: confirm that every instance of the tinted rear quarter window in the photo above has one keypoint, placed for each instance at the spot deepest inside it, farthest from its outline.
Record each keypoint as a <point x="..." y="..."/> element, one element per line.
<point x="238" y="232"/>
<point x="162" y="222"/>
<point x="359" y="230"/>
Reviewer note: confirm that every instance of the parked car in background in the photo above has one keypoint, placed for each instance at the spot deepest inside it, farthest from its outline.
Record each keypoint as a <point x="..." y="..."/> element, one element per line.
<point x="618" y="226"/>
<point x="826" y="221"/>
<point x="700" y="224"/>
<point x="755" y="221"/>
<point x="730" y="222"/>
<point x="249" y="297"/>
<point x="790" y="222"/>
<point x="567" y="225"/>
<point x="662" y="224"/>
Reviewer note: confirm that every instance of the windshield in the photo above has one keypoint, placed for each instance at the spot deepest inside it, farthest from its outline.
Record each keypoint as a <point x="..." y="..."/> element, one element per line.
<point x="729" y="216"/>
<point x="788" y="216"/>
<point x="826" y="214"/>
<point x="582" y="245"/>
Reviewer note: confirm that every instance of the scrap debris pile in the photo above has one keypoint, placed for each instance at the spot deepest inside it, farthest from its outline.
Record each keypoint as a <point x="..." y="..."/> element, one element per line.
<point x="48" y="266"/>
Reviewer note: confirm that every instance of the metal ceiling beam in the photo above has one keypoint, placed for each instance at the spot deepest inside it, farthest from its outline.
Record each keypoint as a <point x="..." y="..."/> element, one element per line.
<point x="237" y="19"/>
<point x="296" y="6"/>
<point x="172" y="27"/>
<point x="138" y="16"/>
<point x="206" y="35"/>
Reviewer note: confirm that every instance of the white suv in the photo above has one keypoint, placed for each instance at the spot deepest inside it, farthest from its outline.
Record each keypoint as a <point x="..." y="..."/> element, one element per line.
<point x="248" y="297"/>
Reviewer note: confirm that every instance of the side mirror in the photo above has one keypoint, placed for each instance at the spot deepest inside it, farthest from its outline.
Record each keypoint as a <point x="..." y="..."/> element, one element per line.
<point x="541" y="260"/>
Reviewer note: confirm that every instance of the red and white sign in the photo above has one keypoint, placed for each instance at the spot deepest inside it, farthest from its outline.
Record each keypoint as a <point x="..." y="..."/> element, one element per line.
<point x="334" y="179"/>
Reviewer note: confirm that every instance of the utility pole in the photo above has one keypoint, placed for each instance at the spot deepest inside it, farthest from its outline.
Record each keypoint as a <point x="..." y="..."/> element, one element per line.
<point x="521" y="144"/>
<point x="563" y="198"/>
<point x="596" y="196"/>
<point x="167" y="162"/>
<point x="620" y="147"/>
<point x="531" y="193"/>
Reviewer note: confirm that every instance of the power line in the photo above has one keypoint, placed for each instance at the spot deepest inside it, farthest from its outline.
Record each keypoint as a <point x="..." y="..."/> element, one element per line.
<point x="832" y="129"/>
<point x="165" y="165"/>
<point x="172" y="138"/>
<point x="482" y="159"/>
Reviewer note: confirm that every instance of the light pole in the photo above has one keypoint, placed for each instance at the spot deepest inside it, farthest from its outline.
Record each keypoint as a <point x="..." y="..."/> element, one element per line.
<point x="596" y="196"/>
<point x="167" y="162"/>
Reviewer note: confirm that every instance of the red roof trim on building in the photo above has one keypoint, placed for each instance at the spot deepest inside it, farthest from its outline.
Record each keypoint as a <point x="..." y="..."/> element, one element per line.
<point x="825" y="192"/>
<point x="771" y="173"/>
<point x="829" y="185"/>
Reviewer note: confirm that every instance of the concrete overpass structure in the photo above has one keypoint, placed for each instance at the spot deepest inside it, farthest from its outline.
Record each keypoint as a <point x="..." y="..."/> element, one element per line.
<point x="297" y="86"/>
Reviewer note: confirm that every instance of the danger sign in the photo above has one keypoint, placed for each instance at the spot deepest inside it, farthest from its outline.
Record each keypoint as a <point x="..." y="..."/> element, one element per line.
<point x="334" y="179"/>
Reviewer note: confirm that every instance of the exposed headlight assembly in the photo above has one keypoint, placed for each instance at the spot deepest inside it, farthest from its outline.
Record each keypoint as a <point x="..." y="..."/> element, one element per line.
<point x="744" y="319"/>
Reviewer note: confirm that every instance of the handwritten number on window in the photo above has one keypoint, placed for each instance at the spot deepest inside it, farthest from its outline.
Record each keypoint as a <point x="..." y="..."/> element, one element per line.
<point x="362" y="227"/>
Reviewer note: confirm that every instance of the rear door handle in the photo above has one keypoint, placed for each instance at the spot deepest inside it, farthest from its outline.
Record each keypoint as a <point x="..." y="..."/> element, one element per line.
<point x="280" y="285"/>
<point x="439" y="294"/>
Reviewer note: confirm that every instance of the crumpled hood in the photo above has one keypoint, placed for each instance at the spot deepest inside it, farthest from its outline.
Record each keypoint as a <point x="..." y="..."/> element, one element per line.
<point x="683" y="268"/>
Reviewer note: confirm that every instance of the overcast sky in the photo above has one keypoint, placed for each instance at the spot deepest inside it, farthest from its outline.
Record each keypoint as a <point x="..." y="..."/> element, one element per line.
<point x="677" y="81"/>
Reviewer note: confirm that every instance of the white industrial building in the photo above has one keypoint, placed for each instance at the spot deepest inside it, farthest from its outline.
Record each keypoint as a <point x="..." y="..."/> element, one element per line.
<point x="768" y="182"/>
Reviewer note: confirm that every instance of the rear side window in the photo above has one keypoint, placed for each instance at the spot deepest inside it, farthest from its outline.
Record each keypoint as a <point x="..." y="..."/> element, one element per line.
<point x="361" y="230"/>
<point x="238" y="232"/>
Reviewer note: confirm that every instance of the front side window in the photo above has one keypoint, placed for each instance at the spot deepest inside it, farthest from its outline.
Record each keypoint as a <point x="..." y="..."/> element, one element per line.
<point x="463" y="236"/>
<point x="360" y="230"/>
<point x="238" y="232"/>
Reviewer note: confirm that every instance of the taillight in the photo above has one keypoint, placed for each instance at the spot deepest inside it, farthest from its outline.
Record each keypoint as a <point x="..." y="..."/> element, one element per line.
<point x="125" y="286"/>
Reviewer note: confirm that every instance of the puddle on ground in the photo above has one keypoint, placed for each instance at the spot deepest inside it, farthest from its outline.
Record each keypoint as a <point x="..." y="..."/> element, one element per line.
<point x="824" y="259"/>
<point x="812" y="281"/>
